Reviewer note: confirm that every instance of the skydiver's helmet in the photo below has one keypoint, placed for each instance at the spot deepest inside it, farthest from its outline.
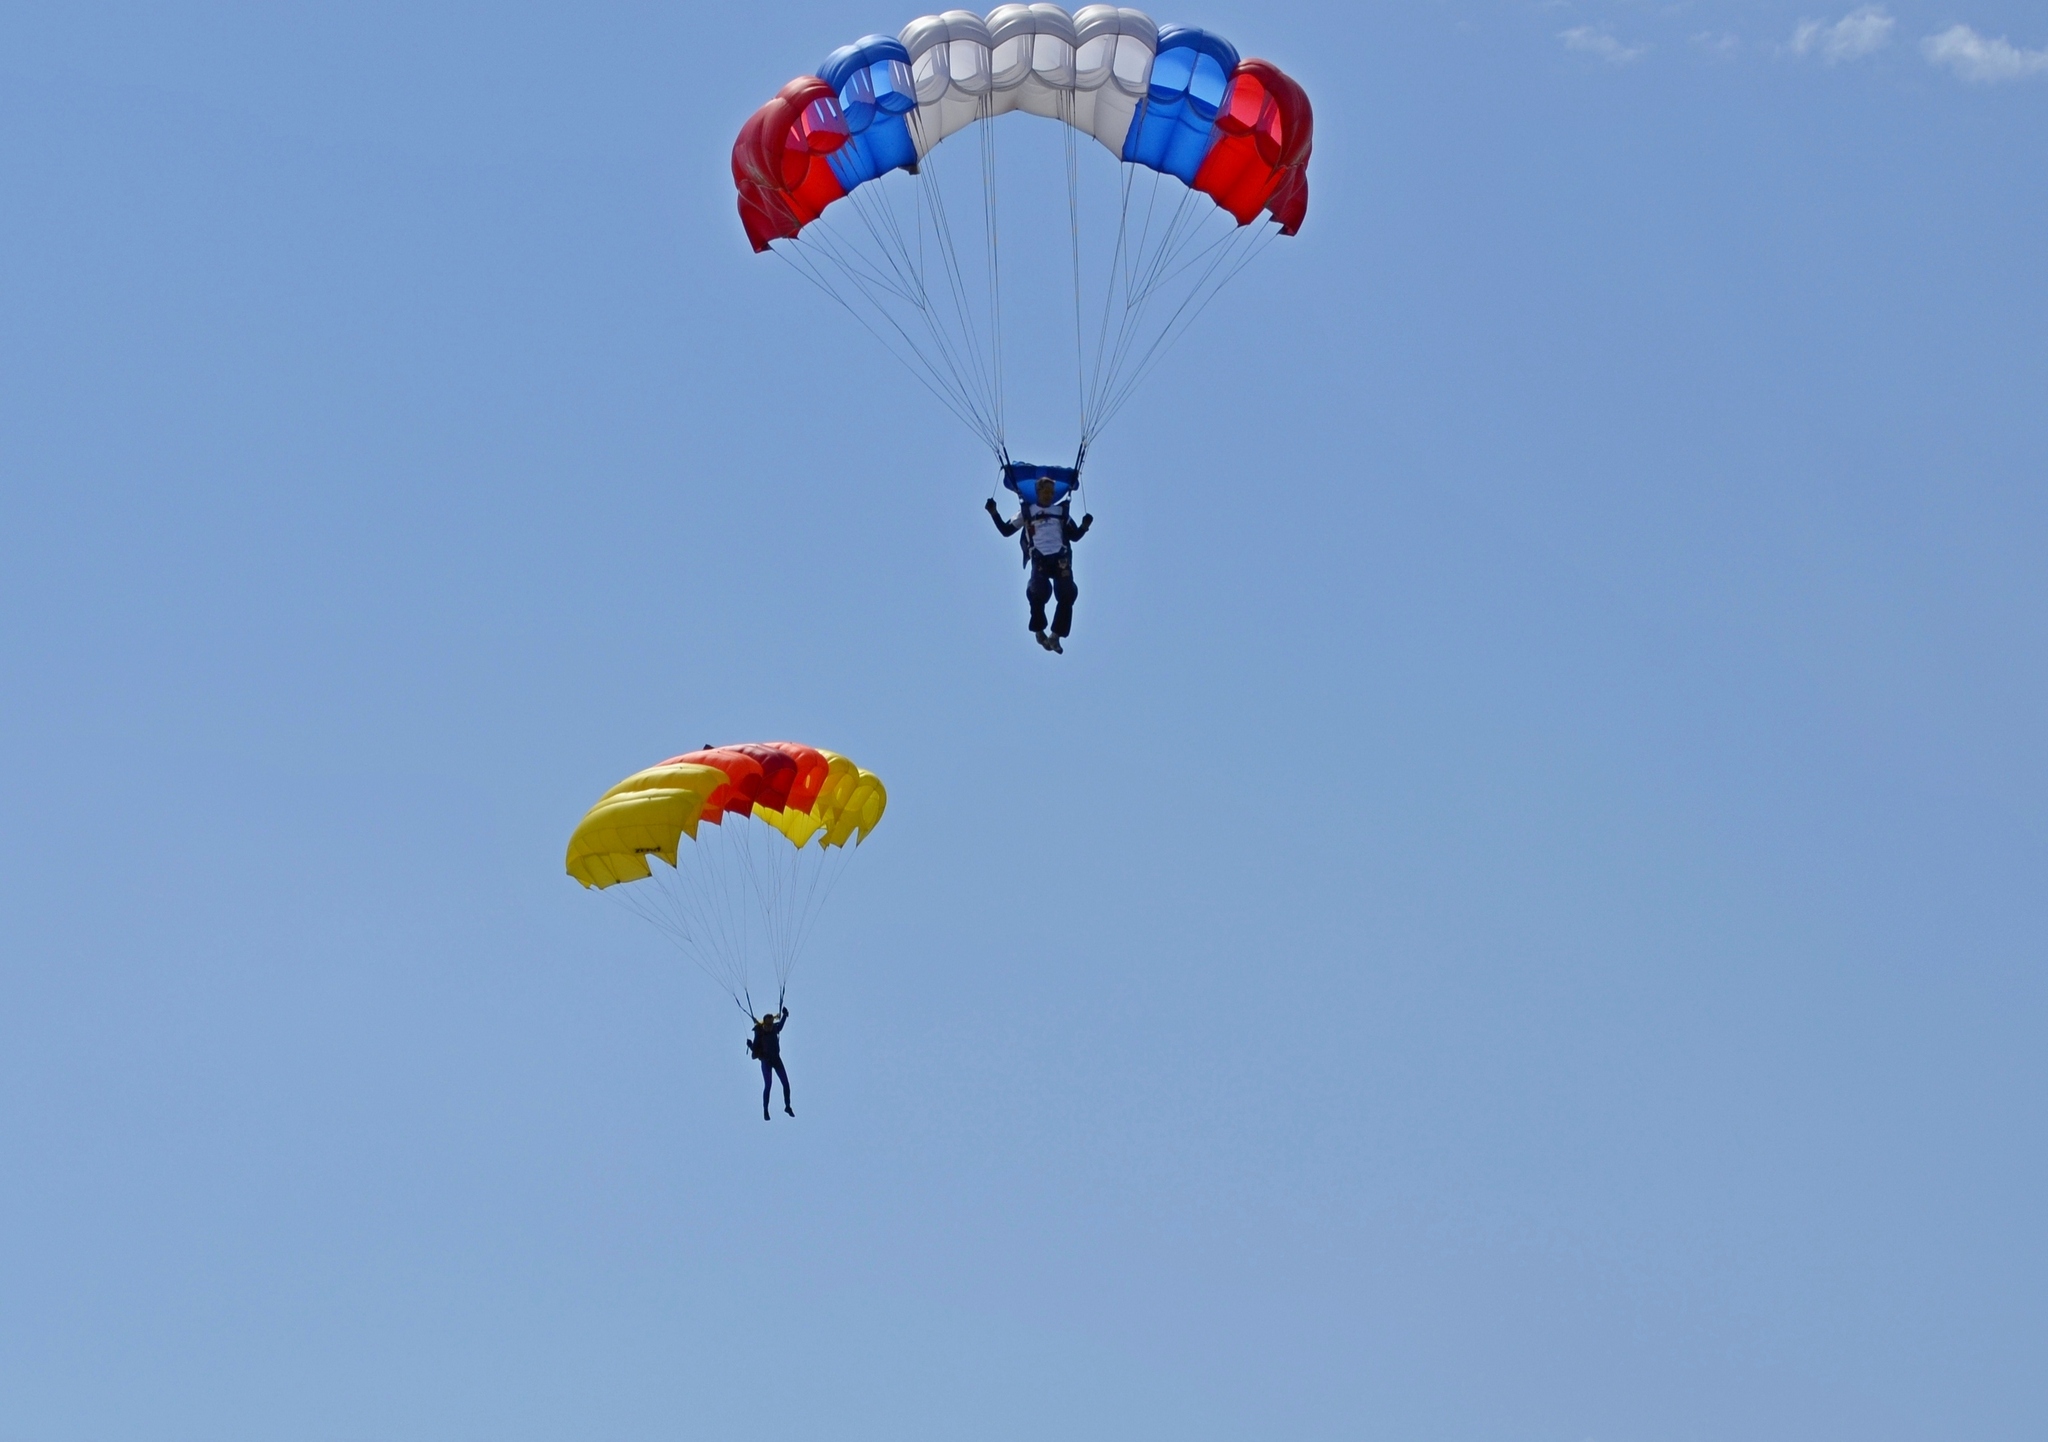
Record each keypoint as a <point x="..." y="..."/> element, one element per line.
<point x="768" y="1019"/>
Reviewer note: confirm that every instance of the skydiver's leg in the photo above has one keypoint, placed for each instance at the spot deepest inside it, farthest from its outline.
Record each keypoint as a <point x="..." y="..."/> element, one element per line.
<point x="1038" y="591"/>
<point x="785" y="1090"/>
<point x="1063" y="587"/>
<point x="768" y="1070"/>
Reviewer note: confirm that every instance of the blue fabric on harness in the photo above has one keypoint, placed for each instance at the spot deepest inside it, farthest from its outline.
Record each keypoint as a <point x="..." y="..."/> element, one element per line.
<point x="1022" y="481"/>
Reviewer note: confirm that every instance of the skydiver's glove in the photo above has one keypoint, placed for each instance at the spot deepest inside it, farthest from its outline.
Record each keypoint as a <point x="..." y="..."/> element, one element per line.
<point x="990" y="506"/>
<point x="1088" y="520"/>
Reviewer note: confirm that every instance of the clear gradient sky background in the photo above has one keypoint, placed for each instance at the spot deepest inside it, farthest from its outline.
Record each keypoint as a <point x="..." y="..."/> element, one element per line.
<point x="1520" y="916"/>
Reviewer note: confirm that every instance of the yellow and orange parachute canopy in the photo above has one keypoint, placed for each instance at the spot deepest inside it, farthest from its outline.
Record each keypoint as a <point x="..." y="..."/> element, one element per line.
<point x="800" y="791"/>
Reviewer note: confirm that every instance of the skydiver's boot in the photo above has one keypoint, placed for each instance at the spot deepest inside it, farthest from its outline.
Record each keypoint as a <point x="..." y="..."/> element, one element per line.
<point x="764" y="1113"/>
<point x="1046" y="641"/>
<point x="1054" y="644"/>
<point x="787" y="1107"/>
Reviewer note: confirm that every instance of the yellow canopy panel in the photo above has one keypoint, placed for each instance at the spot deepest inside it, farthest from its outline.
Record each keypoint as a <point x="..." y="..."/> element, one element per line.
<point x="644" y="815"/>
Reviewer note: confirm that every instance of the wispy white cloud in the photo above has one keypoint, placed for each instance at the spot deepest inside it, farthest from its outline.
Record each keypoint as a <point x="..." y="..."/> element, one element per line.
<point x="1591" y="40"/>
<point x="1721" y="45"/>
<point x="1985" y="62"/>
<point x="1863" y="31"/>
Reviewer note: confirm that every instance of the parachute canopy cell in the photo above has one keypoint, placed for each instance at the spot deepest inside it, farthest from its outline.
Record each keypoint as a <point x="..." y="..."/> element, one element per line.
<point x="799" y="791"/>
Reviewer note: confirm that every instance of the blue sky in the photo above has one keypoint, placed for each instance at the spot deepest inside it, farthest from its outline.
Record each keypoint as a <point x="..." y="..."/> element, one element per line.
<point x="1519" y="916"/>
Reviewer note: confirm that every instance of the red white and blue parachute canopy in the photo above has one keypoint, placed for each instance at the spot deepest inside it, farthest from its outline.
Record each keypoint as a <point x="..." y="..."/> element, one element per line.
<point x="1176" y="99"/>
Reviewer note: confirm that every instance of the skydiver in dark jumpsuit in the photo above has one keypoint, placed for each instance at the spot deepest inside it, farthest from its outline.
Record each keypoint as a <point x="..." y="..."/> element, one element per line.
<point x="766" y="1048"/>
<point x="1049" y="536"/>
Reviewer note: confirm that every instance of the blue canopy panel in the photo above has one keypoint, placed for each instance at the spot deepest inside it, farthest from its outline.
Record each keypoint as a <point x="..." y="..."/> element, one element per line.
<point x="1176" y="124"/>
<point x="1023" y="480"/>
<point x="872" y="77"/>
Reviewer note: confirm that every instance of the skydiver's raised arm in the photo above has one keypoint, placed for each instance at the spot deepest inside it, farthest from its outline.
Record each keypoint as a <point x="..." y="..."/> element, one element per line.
<point x="1074" y="532"/>
<point x="1008" y="528"/>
